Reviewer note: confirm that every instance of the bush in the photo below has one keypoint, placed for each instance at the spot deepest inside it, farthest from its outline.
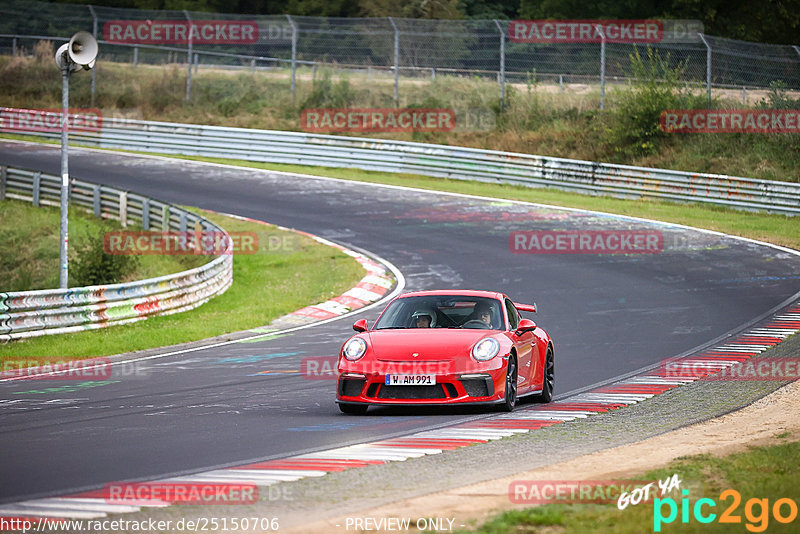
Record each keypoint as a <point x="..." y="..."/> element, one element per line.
<point x="635" y="129"/>
<point x="126" y="99"/>
<point x="92" y="266"/>
<point x="166" y="91"/>
<point x="44" y="52"/>
<point x="325" y="93"/>
<point x="778" y="97"/>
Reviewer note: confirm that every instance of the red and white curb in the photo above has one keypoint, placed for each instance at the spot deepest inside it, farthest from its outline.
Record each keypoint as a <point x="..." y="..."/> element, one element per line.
<point x="626" y="392"/>
<point x="370" y="289"/>
<point x="375" y="284"/>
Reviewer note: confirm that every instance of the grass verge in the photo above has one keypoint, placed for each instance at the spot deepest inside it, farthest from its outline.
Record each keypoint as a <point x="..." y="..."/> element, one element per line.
<point x="761" y="476"/>
<point x="268" y="284"/>
<point x="31" y="235"/>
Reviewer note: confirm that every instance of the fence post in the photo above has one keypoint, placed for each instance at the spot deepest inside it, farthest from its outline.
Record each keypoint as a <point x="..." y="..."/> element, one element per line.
<point x="123" y="208"/>
<point x="94" y="34"/>
<point x="3" y="180"/>
<point x="182" y="229"/>
<point x="502" y="63"/>
<point x="165" y="216"/>
<point x="146" y="213"/>
<point x="189" y="58"/>
<point x="708" y="68"/>
<point x="602" y="67"/>
<point x="135" y="56"/>
<point x="37" y="183"/>
<point x="294" y="54"/>
<point x="396" y="62"/>
<point x="14" y="47"/>
<point x="97" y="201"/>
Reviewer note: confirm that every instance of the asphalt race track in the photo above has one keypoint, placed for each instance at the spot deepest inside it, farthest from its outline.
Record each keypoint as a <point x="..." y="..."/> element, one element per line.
<point x="608" y="315"/>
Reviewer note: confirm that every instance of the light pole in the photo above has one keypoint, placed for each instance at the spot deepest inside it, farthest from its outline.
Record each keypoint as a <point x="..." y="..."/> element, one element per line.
<point x="79" y="53"/>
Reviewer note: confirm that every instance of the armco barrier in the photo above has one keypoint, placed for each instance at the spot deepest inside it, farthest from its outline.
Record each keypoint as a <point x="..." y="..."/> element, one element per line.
<point x="433" y="160"/>
<point x="54" y="311"/>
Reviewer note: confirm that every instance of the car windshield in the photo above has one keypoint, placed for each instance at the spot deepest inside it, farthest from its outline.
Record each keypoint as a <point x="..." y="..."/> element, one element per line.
<point x="447" y="311"/>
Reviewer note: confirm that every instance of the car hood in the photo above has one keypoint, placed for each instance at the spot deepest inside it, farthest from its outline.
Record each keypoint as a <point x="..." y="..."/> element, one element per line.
<point x="435" y="344"/>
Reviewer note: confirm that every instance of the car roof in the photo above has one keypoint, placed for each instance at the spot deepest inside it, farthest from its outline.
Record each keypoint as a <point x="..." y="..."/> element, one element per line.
<point x="454" y="292"/>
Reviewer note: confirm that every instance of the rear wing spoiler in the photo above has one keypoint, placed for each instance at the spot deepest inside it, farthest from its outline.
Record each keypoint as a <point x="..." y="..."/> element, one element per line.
<point x="525" y="307"/>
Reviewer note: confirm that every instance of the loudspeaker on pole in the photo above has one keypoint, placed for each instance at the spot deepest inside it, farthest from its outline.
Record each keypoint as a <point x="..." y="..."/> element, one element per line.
<point x="79" y="52"/>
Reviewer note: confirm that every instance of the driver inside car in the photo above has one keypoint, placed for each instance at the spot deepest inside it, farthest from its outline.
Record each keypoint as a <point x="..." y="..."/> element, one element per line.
<point x="483" y="313"/>
<point x="423" y="319"/>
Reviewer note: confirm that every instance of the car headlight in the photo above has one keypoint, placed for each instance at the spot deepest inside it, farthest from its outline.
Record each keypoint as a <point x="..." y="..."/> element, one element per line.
<point x="354" y="349"/>
<point x="485" y="349"/>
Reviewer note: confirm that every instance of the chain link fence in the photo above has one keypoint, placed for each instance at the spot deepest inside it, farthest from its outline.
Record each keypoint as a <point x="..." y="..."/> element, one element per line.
<point x="394" y="48"/>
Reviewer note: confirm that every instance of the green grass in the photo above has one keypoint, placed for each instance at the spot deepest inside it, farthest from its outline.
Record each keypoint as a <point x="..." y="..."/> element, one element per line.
<point x="761" y="473"/>
<point x="32" y="248"/>
<point x="267" y="285"/>
<point x="778" y="229"/>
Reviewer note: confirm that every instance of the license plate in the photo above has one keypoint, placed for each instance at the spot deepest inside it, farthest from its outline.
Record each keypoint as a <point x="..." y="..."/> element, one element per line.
<point x="410" y="380"/>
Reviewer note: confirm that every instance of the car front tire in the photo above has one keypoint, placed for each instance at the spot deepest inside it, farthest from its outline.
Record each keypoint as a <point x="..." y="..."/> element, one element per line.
<point x="511" y="386"/>
<point x="548" y="381"/>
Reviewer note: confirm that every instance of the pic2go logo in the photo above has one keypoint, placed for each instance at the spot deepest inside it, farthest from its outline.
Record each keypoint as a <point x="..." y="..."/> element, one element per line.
<point x="756" y="511"/>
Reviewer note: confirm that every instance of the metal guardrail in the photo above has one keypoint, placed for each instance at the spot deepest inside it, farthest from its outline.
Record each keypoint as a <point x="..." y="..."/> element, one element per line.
<point x="443" y="161"/>
<point x="55" y="311"/>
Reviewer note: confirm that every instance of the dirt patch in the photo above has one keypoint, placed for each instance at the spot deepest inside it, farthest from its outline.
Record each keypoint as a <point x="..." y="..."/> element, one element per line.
<point x="756" y="425"/>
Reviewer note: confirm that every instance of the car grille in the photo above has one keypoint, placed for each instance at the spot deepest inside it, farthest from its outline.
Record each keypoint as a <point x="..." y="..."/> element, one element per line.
<point x="412" y="392"/>
<point x="476" y="387"/>
<point x="351" y="388"/>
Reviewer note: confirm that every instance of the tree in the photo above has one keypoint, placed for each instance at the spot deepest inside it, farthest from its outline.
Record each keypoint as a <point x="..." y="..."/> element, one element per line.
<point x="768" y="21"/>
<point x="412" y="9"/>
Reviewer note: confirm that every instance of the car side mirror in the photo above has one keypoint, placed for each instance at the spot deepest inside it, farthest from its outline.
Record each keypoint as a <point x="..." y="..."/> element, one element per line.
<point x="360" y="325"/>
<point x="525" y="325"/>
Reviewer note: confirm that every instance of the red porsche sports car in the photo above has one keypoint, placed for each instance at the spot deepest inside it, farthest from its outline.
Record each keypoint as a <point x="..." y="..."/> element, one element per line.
<point x="446" y="347"/>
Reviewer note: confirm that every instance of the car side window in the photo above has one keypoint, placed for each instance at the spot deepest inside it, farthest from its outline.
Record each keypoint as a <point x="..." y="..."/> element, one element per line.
<point x="513" y="316"/>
